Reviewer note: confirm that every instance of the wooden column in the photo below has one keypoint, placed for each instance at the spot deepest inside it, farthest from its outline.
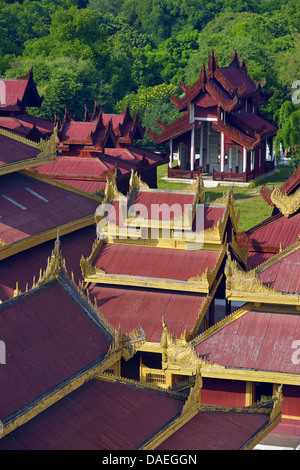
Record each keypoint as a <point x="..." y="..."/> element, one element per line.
<point x="230" y="159"/>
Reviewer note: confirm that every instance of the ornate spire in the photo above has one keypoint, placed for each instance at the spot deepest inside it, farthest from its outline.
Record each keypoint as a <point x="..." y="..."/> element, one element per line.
<point x="56" y="266"/>
<point x="235" y="60"/>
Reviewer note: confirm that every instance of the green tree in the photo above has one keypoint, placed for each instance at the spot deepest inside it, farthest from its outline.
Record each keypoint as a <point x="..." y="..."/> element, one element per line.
<point x="288" y="135"/>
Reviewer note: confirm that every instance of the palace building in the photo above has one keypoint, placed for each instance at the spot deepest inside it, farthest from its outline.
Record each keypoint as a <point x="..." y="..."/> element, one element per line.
<point x="93" y="150"/>
<point x="153" y="322"/>
<point x="15" y="96"/>
<point x="220" y="132"/>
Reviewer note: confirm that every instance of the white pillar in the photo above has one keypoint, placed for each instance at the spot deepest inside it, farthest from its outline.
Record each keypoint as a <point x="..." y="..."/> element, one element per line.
<point x="201" y="145"/>
<point x="230" y="158"/>
<point x="244" y="159"/>
<point x="267" y="151"/>
<point x="252" y="160"/>
<point x="222" y="153"/>
<point x="192" y="148"/>
<point x="207" y="143"/>
<point x="171" y="154"/>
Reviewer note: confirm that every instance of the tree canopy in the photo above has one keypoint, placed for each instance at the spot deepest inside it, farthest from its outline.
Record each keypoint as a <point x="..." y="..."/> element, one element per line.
<point x="115" y="51"/>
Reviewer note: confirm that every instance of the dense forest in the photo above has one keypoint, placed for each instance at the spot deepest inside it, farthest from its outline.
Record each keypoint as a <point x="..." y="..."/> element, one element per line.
<point x="137" y="51"/>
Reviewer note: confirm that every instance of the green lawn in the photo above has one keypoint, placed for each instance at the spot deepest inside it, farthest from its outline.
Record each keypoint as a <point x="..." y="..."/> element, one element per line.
<point x="252" y="206"/>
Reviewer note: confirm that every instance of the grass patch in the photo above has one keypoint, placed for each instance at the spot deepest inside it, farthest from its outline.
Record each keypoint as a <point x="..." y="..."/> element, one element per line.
<point x="253" y="208"/>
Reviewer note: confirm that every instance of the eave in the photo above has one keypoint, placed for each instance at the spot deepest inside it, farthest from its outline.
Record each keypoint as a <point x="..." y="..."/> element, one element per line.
<point x="45" y="153"/>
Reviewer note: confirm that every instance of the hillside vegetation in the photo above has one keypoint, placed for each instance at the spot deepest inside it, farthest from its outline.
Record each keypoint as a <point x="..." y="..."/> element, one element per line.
<point x="137" y="51"/>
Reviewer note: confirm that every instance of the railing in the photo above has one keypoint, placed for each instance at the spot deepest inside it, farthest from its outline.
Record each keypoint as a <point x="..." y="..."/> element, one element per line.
<point x="153" y="376"/>
<point x="239" y="177"/>
<point x="177" y="172"/>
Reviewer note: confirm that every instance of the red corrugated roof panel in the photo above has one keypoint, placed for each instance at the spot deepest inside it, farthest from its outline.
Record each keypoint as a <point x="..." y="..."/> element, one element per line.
<point x="48" y="338"/>
<point x="12" y="150"/>
<point x="253" y="121"/>
<point x="176" y="202"/>
<point x="256" y="258"/>
<point x="12" y="91"/>
<point x="29" y="206"/>
<point x="135" y="260"/>
<point x="79" y="130"/>
<point x="283" y="274"/>
<point x="237" y="78"/>
<point x="275" y="231"/>
<point x="131" y="307"/>
<point x="215" y="431"/>
<point x="257" y="340"/>
<point x="23" y="266"/>
<point x="97" y="416"/>
<point x="73" y="166"/>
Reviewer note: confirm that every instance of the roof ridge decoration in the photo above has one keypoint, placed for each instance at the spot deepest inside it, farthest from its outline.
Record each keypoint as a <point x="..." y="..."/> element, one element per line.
<point x="246" y="286"/>
<point x="111" y="192"/>
<point x="180" y="352"/>
<point x="291" y="184"/>
<point x="287" y="204"/>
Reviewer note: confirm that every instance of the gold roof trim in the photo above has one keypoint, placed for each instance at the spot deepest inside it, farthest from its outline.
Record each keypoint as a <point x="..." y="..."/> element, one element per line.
<point x="287" y="205"/>
<point x="246" y="286"/>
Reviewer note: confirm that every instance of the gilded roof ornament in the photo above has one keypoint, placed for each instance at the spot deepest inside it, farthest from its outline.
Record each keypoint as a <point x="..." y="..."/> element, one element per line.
<point x="288" y="205"/>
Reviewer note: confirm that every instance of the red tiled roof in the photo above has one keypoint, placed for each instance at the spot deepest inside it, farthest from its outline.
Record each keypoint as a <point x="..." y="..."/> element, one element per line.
<point x="151" y="200"/>
<point x="90" y="187"/>
<point x="131" y="307"/>
<point x="43" y="125"/>
<point x="73" y="166"/>
<point x="274" y="231"/>
<point x="23" y="124"/>
<point x="257" y="340"/>
<point x="117" y="119"/>
<point x="253" y="122"/>
<point x="97" y="416"/>
<point x="120" y="158"/>
<point x="12" y="150"/>
<point x="11" y="91"/>
<point x="215" y="431"/>
<point x="24" y="266"/>
<point x="256" y="258"/>
<point x="237" y="78"/>
<point x="48" y="338"/>
<point x="79" y="130"/>
<point x="27" y="214"/>
<point x="283" y="274"/>
<point x="168" y="263"/>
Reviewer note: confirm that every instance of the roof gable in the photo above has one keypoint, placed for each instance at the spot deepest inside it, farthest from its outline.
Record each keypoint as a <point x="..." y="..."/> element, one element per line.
<point x="18" y="93"/>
